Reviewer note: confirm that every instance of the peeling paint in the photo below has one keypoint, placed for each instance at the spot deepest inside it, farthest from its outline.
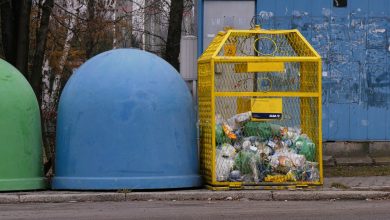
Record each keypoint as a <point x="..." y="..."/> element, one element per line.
<point x="266" y="14"/>
<point x="379" y="30"/>
<point x="326" y="12"/>
<point x="355" y="46"/>
<point x="299" y="13"/>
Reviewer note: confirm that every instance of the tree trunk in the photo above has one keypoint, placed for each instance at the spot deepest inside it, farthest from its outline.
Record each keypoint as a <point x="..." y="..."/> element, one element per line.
<point x="36" y="73"/>
<point x="172" y="49"/>
<point x="8" y="31"/>
<point x="90" y="44"/>
<point x="15" y="23"/>
<point x="23" y="37"/>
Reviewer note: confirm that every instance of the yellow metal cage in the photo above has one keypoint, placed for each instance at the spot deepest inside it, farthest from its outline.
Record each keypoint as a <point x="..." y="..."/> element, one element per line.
<point x="275" y="75"/>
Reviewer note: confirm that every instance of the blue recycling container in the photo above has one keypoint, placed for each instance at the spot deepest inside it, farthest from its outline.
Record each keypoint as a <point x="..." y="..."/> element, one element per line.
<point x="126" y="120"/>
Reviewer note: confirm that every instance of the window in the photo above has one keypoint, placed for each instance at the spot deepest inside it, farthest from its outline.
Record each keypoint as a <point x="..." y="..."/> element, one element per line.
<point x="340" y="3"/>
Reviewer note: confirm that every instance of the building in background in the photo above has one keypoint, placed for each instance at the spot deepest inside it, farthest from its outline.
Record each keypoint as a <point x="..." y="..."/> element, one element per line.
<point x="124" y="8"/>
<point x="155" y="26"/>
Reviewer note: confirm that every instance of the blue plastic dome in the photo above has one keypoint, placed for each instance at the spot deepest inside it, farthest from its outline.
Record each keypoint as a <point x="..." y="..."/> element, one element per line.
<point x="126" y="120"/>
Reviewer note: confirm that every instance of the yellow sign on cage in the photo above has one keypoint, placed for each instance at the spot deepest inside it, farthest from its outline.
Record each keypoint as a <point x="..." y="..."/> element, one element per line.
<point x="266" y="108"/>
<point x="261" y="108"/>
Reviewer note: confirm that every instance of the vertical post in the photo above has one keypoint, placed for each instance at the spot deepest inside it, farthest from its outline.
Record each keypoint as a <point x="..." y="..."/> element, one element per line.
<point x="200" y="26"/>
<point x="320" y="162"/>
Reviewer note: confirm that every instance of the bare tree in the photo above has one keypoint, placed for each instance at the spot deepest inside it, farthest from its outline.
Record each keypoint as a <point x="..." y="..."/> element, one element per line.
<point x="40" y="47"/>
<point x="15" y="22"/>
<point x="54" y="37"/>
<point x="172" y="50"/>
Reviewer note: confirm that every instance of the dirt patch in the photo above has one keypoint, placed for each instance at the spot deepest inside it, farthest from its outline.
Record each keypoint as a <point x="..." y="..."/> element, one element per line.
<point x="349" y="171"/>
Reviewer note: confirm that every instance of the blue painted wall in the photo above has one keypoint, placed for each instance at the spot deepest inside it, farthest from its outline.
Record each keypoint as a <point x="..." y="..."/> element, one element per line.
<point x="355" y="46"/>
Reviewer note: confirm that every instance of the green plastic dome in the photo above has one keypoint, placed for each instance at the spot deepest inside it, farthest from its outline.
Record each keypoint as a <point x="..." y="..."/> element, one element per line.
<point x="20" y="133"/>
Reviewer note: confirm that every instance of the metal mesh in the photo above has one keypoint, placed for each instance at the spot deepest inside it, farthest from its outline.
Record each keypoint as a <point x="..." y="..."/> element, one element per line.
<point x="228" y="77"/>
<point x="298" y="113"/>
<point x="244" y="44"/>
<point x="205" y="120"/>
<point x="257" y="64"/>
<point x="228" y="107"/>
<point x="212" y="48"/>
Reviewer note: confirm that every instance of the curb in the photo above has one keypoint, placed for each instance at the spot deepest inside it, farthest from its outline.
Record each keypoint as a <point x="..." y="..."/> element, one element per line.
<point x="371" y="188"/>
<point x="61" y="197"/>
<point x="330" y="195"/>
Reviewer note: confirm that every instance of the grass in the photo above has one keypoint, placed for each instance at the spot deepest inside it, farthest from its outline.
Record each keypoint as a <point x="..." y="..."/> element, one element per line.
<point x="349" y="171"/>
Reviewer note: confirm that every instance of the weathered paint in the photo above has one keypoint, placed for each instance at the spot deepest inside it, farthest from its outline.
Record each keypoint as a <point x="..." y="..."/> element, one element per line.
<point x="355" y="47"/>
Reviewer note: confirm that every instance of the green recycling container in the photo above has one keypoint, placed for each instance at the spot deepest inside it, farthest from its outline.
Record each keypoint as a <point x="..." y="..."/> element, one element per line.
<point x="20" y="133"/>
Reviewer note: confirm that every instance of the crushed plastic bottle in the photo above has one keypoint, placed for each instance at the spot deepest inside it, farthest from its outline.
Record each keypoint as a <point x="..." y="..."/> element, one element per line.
<point x="264" y="149"/>
<point x="306" y="147"/>
<point x="235" y="121"/>
<point x="311" y="171"/>
<point x="228" y="150"/>
<point x="264" y="168"/>
<point x="250" y="151"/>
<point x="224" y="165"/>
<point x="218" y="119"/>
<point x="298" y="160"/>
<point x="245" y="162"/>
<point x="235" y="176"/>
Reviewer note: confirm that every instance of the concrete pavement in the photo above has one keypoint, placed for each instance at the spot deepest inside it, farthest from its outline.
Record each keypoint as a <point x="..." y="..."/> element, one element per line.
<point x="185" y="195"/>
<point x="246" y="209"/>
<point x="381" y="183"/>
<point x="354" y="188"/>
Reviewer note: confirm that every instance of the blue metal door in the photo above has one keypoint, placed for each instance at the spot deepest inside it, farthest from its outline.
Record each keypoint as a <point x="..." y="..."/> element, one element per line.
<point x="354" y="43"/>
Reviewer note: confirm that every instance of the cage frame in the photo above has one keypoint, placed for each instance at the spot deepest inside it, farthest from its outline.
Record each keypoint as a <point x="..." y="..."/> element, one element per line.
<point x="207" y="121"/>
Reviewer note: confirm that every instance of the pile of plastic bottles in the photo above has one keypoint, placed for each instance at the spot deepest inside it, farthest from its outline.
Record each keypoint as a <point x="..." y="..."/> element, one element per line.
<point x="252" y="152"/>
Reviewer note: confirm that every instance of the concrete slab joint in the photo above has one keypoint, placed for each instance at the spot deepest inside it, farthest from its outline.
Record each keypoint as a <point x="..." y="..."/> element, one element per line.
<point x="193" y="195"/>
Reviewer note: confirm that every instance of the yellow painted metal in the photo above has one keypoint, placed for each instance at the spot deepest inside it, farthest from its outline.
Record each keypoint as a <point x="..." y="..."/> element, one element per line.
<point x="243" y="104"/>
<point x="263" y="31"/>
<point x="235" y="59"/>
<point x="214" y="167"/>
<point x="259" y="67"/>
<point x="269" y="106"/>
<point x="319" y="149"/>
<point x="307" y="44"/>
<point x="219" y="86"/>
<point x="266" y="105"/>
<point x="269" y="94"/>
<point x="224" y="38"/>
<point x="230" y="49"/>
